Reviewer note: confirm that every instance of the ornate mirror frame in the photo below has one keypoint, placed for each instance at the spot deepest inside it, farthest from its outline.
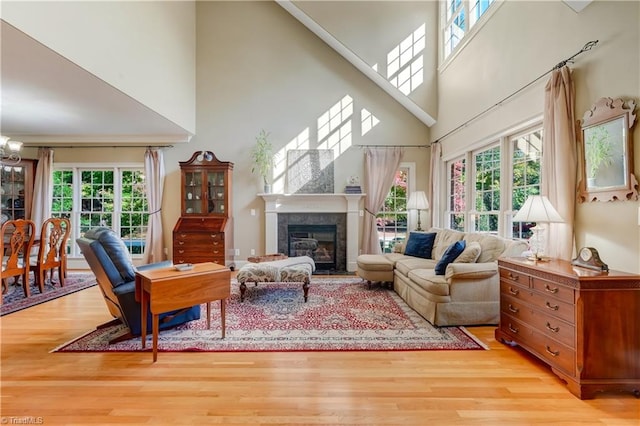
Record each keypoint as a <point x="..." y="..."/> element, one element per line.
<point x="605" y="146"/>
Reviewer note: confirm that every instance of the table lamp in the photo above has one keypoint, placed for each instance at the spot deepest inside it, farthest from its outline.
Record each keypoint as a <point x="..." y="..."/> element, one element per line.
<point x="538" y="209"/>
<point x="418" y="201"/>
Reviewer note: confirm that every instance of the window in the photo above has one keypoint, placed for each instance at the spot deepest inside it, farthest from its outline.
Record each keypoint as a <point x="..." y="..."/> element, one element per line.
<point x="504" y="173"/>
<point x="487" y="194"/>
<point x="457" y="205"/>
<point x="458" y="17"/>
<point x="112" y="197"/>
<point x="526" y="159"/>
<point x="392" y="219"/>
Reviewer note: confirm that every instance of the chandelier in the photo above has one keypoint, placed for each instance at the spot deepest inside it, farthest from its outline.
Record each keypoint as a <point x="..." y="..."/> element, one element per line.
<point x="10" y="150"/>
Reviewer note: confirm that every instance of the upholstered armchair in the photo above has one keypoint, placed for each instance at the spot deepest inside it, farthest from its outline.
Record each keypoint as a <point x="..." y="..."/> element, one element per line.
<point x="109" y="260"/>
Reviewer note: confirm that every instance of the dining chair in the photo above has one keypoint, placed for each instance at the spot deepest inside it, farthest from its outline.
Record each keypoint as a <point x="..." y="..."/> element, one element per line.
<point x="52" y="251"/>
<point x="16" y="242"/>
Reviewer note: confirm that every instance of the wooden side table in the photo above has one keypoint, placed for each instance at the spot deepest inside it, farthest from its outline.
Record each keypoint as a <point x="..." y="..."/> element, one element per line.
<point x="167" y="289"/>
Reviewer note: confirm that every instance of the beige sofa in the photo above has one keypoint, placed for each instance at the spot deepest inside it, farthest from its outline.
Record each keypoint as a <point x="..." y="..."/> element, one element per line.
<point x="467" y="294"/>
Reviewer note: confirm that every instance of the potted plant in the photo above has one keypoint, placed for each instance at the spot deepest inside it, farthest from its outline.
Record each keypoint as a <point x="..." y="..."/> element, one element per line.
<point x="263" y="159"/>
<point x="598" y="153"/>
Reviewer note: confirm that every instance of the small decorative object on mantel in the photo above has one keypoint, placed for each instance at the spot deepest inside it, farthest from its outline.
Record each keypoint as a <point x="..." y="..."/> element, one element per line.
<point x="353" y="185"/>
<point x="588" y="257"/>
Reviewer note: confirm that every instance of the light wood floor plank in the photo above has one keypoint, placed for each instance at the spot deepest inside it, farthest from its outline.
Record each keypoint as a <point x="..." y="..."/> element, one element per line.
<point x="501" y="386"/>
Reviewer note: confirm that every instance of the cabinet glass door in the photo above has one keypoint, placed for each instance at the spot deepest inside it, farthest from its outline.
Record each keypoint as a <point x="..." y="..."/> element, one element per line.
<point x="193" y="193"/>
<point x="215" y="192"/>
<point x="12" y="192"/>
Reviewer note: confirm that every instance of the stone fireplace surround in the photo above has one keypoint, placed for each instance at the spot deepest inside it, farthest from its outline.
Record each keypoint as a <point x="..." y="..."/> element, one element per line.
<point x="349" y="204"/>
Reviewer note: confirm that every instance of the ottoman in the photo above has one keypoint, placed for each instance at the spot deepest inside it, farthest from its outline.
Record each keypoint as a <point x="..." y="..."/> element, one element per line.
<point x="375" y="267"/>
<point x="292" y="269"/>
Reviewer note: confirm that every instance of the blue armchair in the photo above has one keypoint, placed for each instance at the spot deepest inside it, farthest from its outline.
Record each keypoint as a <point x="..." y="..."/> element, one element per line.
<point x="108" y="258"/>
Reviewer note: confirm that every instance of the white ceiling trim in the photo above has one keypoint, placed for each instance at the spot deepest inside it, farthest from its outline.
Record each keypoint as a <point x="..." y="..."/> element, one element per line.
<point x="356" y="61"/>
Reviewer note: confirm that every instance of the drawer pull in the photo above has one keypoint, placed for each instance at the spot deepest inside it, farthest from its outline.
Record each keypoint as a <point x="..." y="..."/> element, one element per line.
<point x="514" y="291"/>
<point x="550" y="290"/>
<point x="554" y="329"/>
<point x="513" y="309"/>
<point x="180" y="251"/>
<point x="554" y="308"/>
<point x="513" y="329"/>
<point x="553" y="353"/>
<point x="181" y="242"/>
<point x="513" y="277"/>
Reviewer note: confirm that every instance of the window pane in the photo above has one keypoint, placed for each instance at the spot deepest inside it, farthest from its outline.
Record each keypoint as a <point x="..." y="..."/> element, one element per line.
<point x="527" y="156"/>
<point x="457" y="204"/>
<point x="134" y="218"/>
<point x="392" y="219"/>
<point x="487" y="197"/>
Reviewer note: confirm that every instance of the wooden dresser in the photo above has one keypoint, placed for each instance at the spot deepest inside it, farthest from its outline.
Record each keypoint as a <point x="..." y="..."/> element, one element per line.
<point x="204" y="231"/>
<point x="584" y="324"/>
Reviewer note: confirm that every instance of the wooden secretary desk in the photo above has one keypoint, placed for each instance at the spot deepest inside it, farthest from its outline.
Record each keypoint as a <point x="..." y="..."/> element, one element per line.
<point x="204" y="231"/>
<point x="584" y="324"/>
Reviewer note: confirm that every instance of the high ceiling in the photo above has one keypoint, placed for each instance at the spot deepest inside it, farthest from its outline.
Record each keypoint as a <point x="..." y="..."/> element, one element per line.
<point x="47" y="99"/>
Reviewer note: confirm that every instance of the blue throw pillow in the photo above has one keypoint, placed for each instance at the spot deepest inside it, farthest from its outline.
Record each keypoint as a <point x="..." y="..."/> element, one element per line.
<point x="420" y="244"/>
<point x="453" y="251"/>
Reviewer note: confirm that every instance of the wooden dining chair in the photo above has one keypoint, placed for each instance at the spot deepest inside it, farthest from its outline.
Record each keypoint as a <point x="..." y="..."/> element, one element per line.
<point x="52" y="251"/>
<point x="17" y="239"/>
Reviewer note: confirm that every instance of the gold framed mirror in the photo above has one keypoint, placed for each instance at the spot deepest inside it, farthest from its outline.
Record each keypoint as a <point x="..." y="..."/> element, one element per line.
<point x="606" y="152"/>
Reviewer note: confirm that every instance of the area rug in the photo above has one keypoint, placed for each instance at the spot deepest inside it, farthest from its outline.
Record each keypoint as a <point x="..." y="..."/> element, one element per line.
<point x="342" y="314"/>
<point x="14" y="299"/>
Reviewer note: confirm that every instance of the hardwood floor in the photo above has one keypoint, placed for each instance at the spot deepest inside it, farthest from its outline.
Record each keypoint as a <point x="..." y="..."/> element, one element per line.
<point x="500" y="386"/>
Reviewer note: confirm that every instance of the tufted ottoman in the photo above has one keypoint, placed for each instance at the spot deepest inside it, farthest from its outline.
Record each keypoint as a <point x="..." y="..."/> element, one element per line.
<point x="375" y="267"/>
<point x="292" y="269"/>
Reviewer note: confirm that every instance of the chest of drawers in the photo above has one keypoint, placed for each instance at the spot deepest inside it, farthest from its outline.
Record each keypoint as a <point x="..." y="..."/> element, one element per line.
<point x="584" y="324"/>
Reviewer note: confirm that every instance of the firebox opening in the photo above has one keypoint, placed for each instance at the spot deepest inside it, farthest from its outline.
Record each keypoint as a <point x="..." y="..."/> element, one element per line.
<point x="316" y="241"/>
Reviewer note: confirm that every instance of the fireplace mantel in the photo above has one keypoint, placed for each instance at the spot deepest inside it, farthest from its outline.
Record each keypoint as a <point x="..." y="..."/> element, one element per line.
<point x="314" y="203"/>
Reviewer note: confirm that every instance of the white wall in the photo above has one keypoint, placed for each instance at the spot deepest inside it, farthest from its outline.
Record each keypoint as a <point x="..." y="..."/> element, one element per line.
<point x="146" y="49"/>
<point x="372" y="29"/>
<point x="259" y="68"/>
<point x="521" y="42"/>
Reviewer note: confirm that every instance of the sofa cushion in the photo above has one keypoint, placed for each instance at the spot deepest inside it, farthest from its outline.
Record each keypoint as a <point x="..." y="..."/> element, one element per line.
<point x="492" y="246"/>
<point x="427" y="280"/>
<point x="444" y="238"/>
<point x="470" y="254"/>
<point x="420" y="244"/>
<point x="453" y="251"/>
<point x="409" y="263"/>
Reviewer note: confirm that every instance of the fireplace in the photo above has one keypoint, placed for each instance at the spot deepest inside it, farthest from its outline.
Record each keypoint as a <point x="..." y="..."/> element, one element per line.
<point x="321" y="236"/>
<point x="316" y="241"/>
<point x="341" y="210"/>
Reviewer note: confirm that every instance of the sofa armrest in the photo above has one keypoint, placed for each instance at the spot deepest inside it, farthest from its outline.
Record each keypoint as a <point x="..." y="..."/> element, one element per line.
<point x="470" y="271"/>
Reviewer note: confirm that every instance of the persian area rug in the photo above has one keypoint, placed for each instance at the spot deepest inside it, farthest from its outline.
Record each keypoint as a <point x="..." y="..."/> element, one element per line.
<point x="14" y="299"/>
<point x="342" y="314"/>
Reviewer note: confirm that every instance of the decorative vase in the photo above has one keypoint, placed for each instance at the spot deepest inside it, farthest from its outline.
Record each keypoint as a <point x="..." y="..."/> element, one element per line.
<point x="267" y="188"/>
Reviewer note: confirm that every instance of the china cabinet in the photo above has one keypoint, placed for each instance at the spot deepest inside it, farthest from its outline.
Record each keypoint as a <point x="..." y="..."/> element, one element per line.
<point x="16" y="191"/>
<point x="582" y="322"/>
<point x="204" y="231"/>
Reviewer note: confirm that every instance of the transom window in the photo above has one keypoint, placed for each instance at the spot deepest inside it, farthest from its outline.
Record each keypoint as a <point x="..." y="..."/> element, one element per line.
<point x="458" y="17"/>
<point x="113" y="197"/>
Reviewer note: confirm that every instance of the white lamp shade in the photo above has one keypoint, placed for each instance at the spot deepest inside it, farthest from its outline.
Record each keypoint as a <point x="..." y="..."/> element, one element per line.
<point x="537" y="208"/>
<point x="417" y="201"/>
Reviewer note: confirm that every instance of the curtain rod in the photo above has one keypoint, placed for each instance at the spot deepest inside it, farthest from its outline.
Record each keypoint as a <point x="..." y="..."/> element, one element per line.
<point x="590" y="45"/>
<point x="393" y="146"/>
<point x="97" y="146"/>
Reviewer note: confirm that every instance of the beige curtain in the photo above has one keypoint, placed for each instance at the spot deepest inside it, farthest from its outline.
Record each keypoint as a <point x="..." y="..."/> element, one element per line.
<point x="436" y="184"/>
<point x="42" y="189"/>
<point x="380" y="168"/>
<point x="559" y="161"/>
<point x="154" y="174"/>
